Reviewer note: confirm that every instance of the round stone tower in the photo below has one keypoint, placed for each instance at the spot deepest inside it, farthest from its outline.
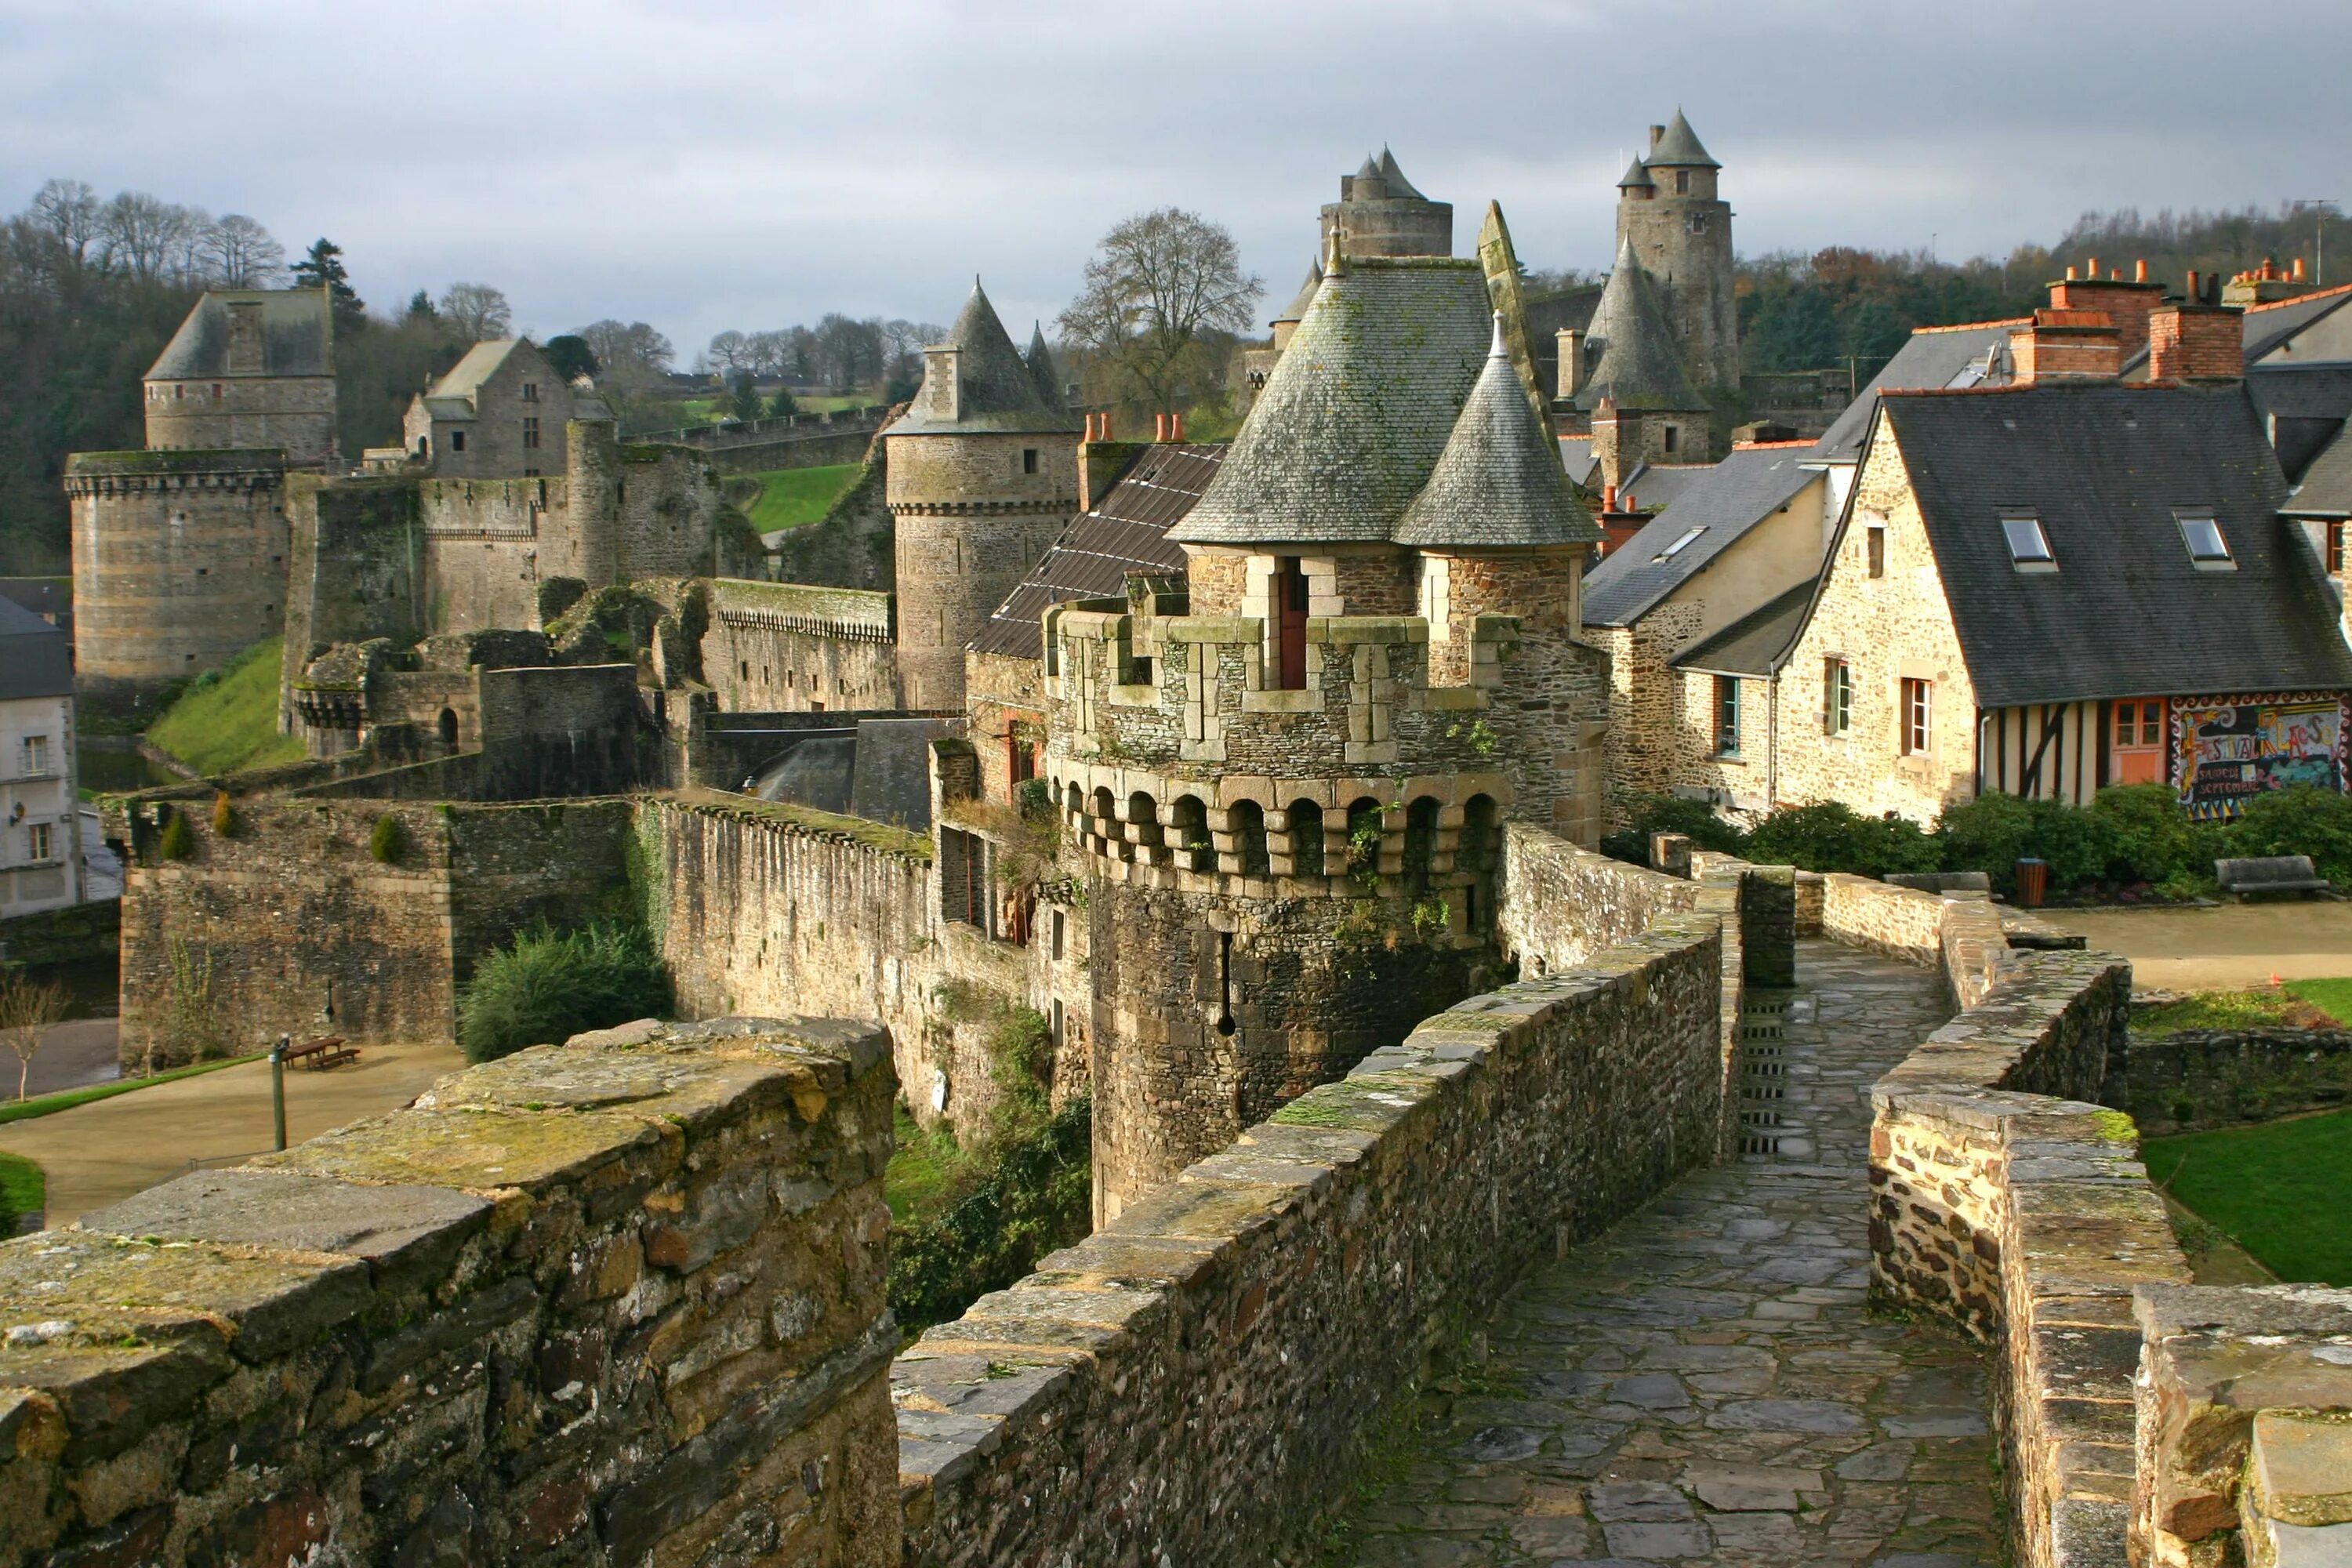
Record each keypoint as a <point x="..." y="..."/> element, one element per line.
<point x="982" y="477"/>
<point x="1287" y="787"/>
<point x="1680" y="229"/>
<point x="1380" y="214"/>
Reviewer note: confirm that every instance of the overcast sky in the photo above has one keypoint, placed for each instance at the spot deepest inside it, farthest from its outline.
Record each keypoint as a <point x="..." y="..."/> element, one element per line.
<point x="702" y="165"/>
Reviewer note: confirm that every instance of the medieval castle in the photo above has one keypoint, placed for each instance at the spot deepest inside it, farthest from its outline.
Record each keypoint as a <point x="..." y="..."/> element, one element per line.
<point x="1268" y="773"/>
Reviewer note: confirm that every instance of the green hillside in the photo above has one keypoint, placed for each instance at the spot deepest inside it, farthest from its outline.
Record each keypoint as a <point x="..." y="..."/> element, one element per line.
<point x="790" y="496"/>
<point x="229" y="719"/>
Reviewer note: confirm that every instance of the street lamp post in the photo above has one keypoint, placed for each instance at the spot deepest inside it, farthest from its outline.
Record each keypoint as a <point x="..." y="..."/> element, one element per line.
<point x="2322" y="206"/>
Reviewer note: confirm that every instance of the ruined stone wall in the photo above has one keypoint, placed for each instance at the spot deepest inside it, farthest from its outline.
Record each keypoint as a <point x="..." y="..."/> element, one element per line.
<point x="785" y="647"/>
<point x="179" y="562"/>
<point x="615" y="1302"/>
<point x="2202" y="1079"/>
<point x="355" y="570"/>
<point x="753" y="901"/>
<point x="288" y="925"/>
<point x="480" y="549"/>
<point x="1192" y="1383"/>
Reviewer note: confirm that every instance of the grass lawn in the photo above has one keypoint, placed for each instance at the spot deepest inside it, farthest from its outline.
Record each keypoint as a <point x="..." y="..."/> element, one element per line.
<point x="790" y="496"/>
<point x="920" y="1166"/>
<point x="2276" y="1190"/>
<point x="66" y="1099"/>
<point x="2297" y="1004"/>
<point x="220" y="725"/>
<point x="22" y="1190"/>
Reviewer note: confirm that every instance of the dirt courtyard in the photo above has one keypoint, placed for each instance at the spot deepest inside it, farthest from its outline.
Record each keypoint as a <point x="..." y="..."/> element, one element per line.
<point x="99" y="1153"/>
<point x="2222" y="948"/>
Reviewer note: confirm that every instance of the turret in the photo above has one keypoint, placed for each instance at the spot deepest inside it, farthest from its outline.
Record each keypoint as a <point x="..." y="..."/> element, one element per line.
<point x="982" y="475"/>
<point x="1632" y="384"/>
<point x="1378" y="213"/>
<point x="1670" y="212"/>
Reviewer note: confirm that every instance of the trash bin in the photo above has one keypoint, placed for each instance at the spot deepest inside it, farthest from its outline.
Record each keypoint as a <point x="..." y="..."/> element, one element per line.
<point x="2032" y="882"/>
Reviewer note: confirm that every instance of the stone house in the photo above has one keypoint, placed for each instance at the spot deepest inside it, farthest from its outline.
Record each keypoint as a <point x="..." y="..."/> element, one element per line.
<point x="249" y="368"/>
<point x="40" y="838"/>
<point x="2066" y="583"/>
<point x="498" y="413"/>
<point x="1736" y="537"/>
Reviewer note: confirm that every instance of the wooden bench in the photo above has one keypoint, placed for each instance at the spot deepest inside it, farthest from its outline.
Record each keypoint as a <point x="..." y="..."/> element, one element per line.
<point x="326" y="1051"/>
<point x="2269" y="874"/>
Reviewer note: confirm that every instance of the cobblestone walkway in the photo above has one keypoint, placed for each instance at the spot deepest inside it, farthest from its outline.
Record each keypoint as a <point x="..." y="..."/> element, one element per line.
<point x="1701" y="1384"/>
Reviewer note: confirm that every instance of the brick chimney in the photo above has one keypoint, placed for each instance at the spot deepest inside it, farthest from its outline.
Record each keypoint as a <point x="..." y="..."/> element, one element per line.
<point x="2125" y="302"/>
<point x="1571" y="361"/>
<point x="2066" y="345"/>
<point x="2196" y="342"/>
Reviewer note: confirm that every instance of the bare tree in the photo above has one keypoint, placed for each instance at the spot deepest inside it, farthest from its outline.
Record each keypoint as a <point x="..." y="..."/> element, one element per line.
<point x="241" y="254"/>
<point x="728" y="352"/>
<point x="68" y="209"/>
<point x="848" y="351"/>
<point x="903" y="343"/>
<point x="138" y="234"/>
<point x="26" y="1011"/>
<point x="1158" y="286"/>
<point x="477" y="310"/>
<point x="766" y="353"/>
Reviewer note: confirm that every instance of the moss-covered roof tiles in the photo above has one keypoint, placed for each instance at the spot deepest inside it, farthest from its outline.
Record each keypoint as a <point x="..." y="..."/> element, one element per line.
<point x="1499" y="480"/>
<point x="997" y="393"/>
<point x="1636" y="363"/>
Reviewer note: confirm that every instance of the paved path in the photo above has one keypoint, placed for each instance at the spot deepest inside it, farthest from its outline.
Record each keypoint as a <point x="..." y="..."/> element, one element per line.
<point x="1702" y="1384"/>
<point x="102" y="1153"/>
<point x="2221" y="948"/>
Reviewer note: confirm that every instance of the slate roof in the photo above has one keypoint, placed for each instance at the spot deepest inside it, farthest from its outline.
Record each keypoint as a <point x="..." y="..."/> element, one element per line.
<point x="1654" y="487"/>
<point x="1726" y="501"/>
<point x="2268" y="326"/>
<point x="998" y="394"/>
<point x="1933" y="358"/>
<point x="33" y="657"/>
<point x="1498" y="483"/>
<point x="1632" y="353"/>
<point x="2105" y="467"/>
<point x="1637" y="176"/>
<point x="1753" y="643"/>
<point x="1679" y="148"/>
<point x="1040" y="360"/>
<point x="2304" y="404"/>
<point x="297" y="336"/>
<point x="2326" y="486"/>
<point x="1398" y="184"/>
<point x="1296" y="310"/>
<point x="1126" y="532"/>
<point x="1357" y="410"/>
<point x="1575" y="457"/>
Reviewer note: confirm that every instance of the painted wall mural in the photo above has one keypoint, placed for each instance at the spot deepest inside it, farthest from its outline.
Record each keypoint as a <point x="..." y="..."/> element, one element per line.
<point x="2227" y="750"/>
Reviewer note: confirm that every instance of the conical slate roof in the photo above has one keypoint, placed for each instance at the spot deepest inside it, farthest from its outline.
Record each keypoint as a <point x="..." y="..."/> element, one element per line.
<point x="1357" y="409"/>
<point x="1398" y="184"/>
<point x="1679" y="148"/>
<point x="1637" y="177"/>
<point x="1498" y="482"/>
<point x="1297" y="308"/>
<point x="1040" y="367"/>
<point x="998" y="394"/>
<point x="1636" y="361"/>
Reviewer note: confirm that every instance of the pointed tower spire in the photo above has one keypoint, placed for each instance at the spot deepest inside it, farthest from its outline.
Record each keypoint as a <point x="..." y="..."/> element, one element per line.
<point x="1040" y="367"/>
<point x="1498" y="484"/>
<point x="1636" y="359"/>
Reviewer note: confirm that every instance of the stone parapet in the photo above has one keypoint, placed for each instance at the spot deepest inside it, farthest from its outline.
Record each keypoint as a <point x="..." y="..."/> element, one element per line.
<point x="1194" y="1381"/>
<point x="619" y="1301"/>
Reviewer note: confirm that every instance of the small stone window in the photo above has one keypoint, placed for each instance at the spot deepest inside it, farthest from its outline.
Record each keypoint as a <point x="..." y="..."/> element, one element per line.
<point x="531" y="391"/>
<point x="1028" y="459"/>
<point x="1727" y="716"/>
<point x="1420" y="842"/>
<point x="1874" y="542"/>
<point x="964" y="878"/>
<point x="1247" y="820"/>
<point x="2333" y="548"/>
<point x="1918" y="716"/>
<point x="1306" y="838"/>
<point x="456" y="441"/>
<point x="1837" y="697"/>
<point x="1682" y="182"/>
<point x="1673" y="439"/>
<point x="530" y="433"/>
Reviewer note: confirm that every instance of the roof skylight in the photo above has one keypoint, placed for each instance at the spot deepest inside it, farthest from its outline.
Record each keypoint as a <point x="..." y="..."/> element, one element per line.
<point x="1679" y="545"/>
<point x="2203" y="534"/>
<point x="2029" y="546"/>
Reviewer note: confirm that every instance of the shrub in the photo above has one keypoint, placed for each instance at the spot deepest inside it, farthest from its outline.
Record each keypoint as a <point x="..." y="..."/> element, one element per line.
<point x="1028" y="1191"/>
<point x="386" y="841"/>
<point x="2299" y="820"/>
<point x="224" y="814"/>
<point x="2152" y="839"/>
<point x="1993" y="832"/>
<point x="1833" y="837"/>
<point x="1694" y="820"/>
<point x="551" y="984"/>
<point x="179" y="841"/>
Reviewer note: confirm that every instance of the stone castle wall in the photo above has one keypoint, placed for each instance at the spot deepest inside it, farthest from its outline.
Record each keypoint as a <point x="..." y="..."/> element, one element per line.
<point x="1195" y="1381"/>
<point x="754" y="904"/>
<point x="289" y="926"/>
<point x="788" y="647"/>
<point x="853" y="545"/>
<point x="617" y="1301"/>
<point x="292" y="413"/>
<point x="179" y="562"/>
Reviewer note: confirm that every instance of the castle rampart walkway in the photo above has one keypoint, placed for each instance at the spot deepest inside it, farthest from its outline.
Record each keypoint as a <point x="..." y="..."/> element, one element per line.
<point x="1702" y="1384"/>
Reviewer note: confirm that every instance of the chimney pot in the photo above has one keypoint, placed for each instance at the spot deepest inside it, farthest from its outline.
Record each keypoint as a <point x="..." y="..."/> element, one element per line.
<point x="2070" y="275"/>
<point x="1176" y="426"/>
<point x="2139" y="270"/>
<point x="2298" y="270"/>
<point x="2095" y="267"/>
<point x="1159" y="426"/>
<point x="1609" y="498"/>
<point x="1106" y="425"/>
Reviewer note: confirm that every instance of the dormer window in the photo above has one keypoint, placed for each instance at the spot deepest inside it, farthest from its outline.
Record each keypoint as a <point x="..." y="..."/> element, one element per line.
<point x="1679" y="545"/>
<point x="2029" y="546"/>
<point x="2203" y="534"/>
